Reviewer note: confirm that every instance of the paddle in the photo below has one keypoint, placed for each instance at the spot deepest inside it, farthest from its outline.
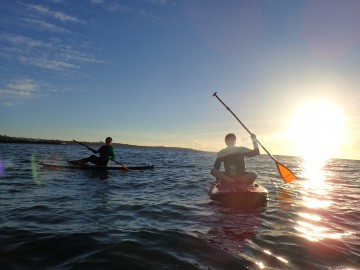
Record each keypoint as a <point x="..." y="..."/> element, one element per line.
<point x="94" y="151"/>
<point x="285" y="173"/>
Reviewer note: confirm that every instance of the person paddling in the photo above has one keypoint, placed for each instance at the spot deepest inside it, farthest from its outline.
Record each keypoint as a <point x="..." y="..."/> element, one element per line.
<point x="106" y="152"/>
<point x="234" y="163"/>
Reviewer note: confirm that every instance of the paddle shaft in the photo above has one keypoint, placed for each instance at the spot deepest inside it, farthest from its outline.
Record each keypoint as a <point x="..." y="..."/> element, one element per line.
<point x="122" y="165"/>
<point x="241" y="123"/>
<point x="88" y="147"/>
<point x="285" y="173"/>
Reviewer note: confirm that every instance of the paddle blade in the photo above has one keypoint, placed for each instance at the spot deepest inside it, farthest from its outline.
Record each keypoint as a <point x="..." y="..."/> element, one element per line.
<point x="285" y="173"/>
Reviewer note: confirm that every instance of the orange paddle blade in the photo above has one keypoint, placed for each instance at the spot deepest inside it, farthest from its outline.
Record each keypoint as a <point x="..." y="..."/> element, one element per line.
<point x="286" y="174"/>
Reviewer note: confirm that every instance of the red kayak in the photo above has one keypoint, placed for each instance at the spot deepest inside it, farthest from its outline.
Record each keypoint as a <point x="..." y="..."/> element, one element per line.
<point x="239" y="195"/>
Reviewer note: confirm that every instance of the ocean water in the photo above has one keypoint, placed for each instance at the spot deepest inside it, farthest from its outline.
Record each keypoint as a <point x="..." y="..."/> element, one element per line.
<point x="164" y="218"/>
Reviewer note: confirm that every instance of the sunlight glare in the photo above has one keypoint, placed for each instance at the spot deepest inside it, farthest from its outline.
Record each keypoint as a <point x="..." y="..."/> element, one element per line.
<point x="317" y="130"/>
<point x="277" y="257"/>
<point x="316" y="233"/>
<point x="314" y="203"/>
<point x="260" y="264"/>
<point x="310" y="216"/>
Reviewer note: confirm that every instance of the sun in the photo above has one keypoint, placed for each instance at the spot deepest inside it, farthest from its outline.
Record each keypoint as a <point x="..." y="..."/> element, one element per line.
<point x="317" y="130"/>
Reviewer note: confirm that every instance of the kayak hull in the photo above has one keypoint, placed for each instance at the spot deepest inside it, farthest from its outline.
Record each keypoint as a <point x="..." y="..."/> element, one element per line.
<point x="95" y="167"/>
<point x="240" y="195"/>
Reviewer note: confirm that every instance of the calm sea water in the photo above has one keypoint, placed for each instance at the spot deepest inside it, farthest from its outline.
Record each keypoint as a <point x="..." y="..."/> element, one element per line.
<point x="164" y="219"/>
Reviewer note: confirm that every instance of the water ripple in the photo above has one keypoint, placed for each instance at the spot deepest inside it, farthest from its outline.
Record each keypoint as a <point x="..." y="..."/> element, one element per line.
<point x="164" y="219"/>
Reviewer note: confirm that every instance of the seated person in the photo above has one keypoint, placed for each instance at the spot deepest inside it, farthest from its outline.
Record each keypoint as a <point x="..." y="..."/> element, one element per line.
<point x="234" y="163"/>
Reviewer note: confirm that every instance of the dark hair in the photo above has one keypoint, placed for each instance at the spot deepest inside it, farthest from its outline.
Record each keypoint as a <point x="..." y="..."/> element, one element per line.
<point x="230" y="137"/>
<point x="108" y="139"/>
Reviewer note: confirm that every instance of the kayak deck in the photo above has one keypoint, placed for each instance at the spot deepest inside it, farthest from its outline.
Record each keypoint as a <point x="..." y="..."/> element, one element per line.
<point x="239" y="195"/>
<point x="95" y="167"/>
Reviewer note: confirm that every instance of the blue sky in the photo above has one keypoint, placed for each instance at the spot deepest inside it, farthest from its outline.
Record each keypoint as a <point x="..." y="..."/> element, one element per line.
<point x="144" y="71"/>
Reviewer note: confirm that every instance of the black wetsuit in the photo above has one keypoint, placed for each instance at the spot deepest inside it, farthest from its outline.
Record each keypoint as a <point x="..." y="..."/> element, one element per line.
<point x="105" y="154"/>
<point x="233" y="159"/>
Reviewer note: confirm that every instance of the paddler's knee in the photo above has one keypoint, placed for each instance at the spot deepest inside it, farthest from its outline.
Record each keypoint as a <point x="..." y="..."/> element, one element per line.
<point x="251" y="176"/>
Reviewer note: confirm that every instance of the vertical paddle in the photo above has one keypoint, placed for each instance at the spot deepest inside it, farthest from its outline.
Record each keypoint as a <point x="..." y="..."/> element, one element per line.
<point x="94" y="151"/>
<point x="285" y="173"/>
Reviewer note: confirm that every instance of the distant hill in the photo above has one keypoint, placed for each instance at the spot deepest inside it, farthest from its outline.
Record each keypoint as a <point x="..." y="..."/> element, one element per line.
<point x="8" y="139"/>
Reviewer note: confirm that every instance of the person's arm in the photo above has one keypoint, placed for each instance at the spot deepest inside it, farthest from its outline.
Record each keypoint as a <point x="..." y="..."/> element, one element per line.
<point x="111" y="153"/>
<point x="256" y="150"/>
<point x="217" y="164"/>
<point x="219" y="160"/>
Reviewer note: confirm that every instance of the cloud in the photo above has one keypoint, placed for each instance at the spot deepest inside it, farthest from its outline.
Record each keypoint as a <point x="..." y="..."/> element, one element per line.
<point x="53" y="14"/>
<point x="58" y="49"/>
<point x="41" y="42"/>
<point x="23" y="86"/>
<point x="18" y="90"/>
<point x="116" y="7"/>
<point x="46" y="26"/>
<point x="53" y="55"/>
<point x="19" y="40"/>
<point x="47" y="63"/>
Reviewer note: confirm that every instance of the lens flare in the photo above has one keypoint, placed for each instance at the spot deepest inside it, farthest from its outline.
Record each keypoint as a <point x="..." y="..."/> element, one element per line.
<point x="1" y="168"/>
<point x="35" y="170"/>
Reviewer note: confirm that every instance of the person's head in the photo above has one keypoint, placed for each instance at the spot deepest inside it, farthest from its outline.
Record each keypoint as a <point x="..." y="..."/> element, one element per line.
<point x="230" y="139"/>
<point x="108" y="140"/>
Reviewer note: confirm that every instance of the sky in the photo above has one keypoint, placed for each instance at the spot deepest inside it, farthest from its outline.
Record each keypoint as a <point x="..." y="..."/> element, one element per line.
<point x="144" y="72"/>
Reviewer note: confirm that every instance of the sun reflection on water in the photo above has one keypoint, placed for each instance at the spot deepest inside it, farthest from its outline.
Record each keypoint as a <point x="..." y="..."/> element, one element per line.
<point x="277" y="257"/>
<point x="316" y="198"/>
<point x="317" y="233"/>
<point x="315" y="184"/>
<point x="315" y="188"/>
<point x="316" y="203"/>
<point x="309" y="216"/>
<point x="261" y="265"/>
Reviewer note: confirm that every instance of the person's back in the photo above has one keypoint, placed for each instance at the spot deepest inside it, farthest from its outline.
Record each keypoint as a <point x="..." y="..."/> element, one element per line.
<point x="234" y="163"/>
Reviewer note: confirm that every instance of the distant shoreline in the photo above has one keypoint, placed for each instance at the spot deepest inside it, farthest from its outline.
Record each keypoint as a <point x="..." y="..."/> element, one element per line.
<point x="23" y="140"/>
